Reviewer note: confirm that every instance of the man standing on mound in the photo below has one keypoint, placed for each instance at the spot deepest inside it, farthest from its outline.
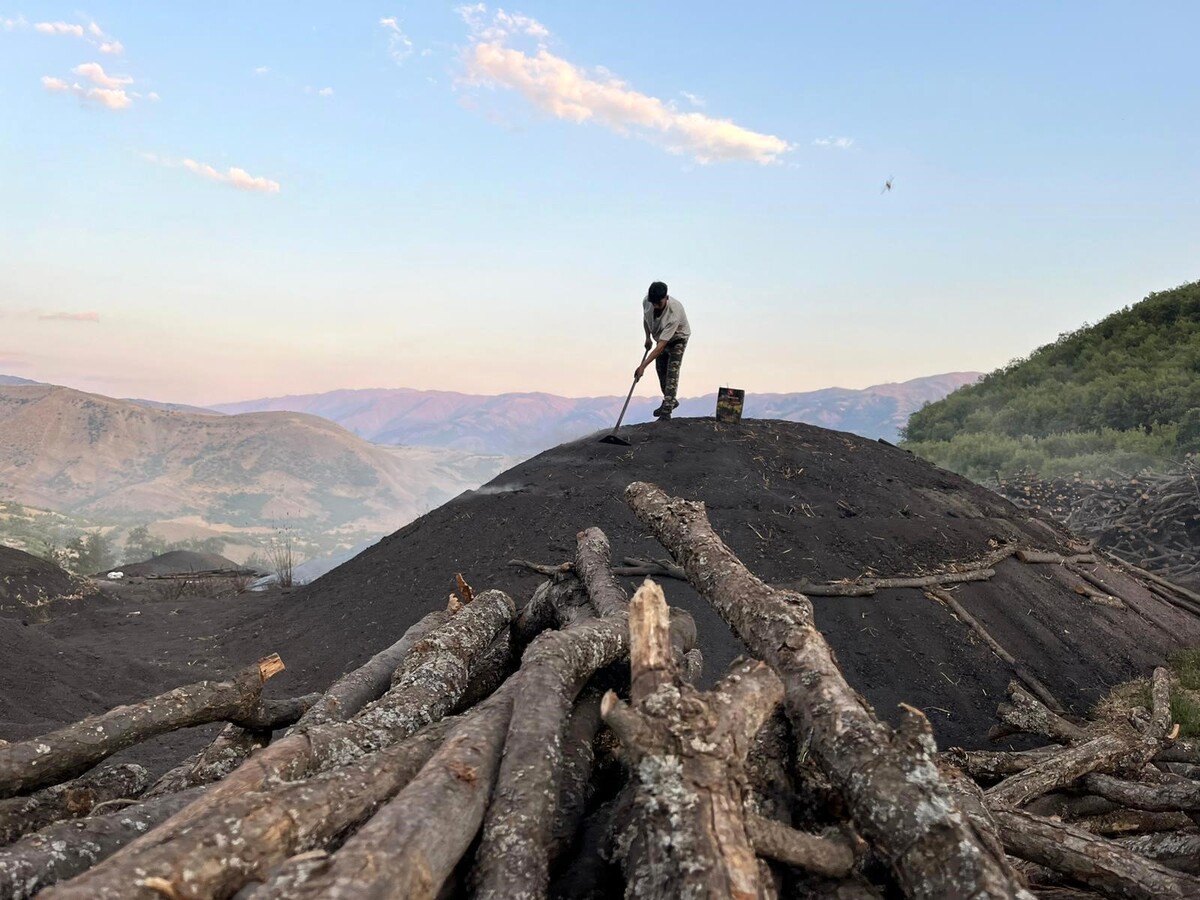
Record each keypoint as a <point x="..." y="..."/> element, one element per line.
<point x="664" y="321"/>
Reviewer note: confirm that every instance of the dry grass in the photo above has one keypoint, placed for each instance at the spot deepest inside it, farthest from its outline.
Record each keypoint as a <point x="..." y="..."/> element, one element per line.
<point x="1184" y="667"/>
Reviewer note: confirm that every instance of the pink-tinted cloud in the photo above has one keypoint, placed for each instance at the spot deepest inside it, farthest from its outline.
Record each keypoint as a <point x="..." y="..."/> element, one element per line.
<point x="95" y="73"/>
<point x="70" y="317"/>
<point x="234" y="177"/>
<point x="566" y="91"/>
<point x="107" y="97"/>
<point x="113" y="48"/>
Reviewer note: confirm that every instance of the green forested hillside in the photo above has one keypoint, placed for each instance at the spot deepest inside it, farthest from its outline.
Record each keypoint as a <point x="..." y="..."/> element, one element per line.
<point x="1123" y="394"/>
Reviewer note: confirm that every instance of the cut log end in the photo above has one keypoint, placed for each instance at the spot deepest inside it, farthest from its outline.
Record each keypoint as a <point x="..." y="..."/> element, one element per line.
<point x="270" y="666"/>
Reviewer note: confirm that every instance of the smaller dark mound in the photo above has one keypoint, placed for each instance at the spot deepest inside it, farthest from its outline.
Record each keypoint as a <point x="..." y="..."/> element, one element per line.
<point x="27" y="583"/>
<point x="179" y="562"/>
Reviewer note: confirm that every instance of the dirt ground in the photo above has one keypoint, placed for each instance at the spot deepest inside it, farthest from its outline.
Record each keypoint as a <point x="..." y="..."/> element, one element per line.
<point x="794" y="501"/>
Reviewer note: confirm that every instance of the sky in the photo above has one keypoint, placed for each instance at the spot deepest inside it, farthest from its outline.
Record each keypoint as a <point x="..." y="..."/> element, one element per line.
<point x="222" y="201"/>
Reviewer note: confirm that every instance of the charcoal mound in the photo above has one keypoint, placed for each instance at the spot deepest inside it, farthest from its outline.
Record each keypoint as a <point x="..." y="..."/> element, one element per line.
<point x="29" y="584"/>
<point x="799" y="505"/>
<point x="179" y="562"/>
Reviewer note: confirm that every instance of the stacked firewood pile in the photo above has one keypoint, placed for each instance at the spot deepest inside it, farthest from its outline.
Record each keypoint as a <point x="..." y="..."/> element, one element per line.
<point x="563" y="750"/>
<point x="1151" y="520"/>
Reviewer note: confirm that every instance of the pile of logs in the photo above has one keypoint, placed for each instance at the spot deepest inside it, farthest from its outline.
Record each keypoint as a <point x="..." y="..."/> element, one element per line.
<point x="1151" y="519"/>
<point x="562" y="749"/>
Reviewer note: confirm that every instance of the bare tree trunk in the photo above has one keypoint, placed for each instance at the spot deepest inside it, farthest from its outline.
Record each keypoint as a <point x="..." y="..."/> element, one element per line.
<point x="241" y="840"/>
<point x="271" y="715"/>
<point x="687" y="753"/>
<point x="70" y="848"/>
<point x="71" y="800"/>
<point x="435" y="677"/>
<point x="889" y="779"/>
<point x="228" y="750"/>
<point x="513" y="859"/>
<point x="404" y="852"/>
<point x="76" y="748"/>
<point x="1102" y="865"/>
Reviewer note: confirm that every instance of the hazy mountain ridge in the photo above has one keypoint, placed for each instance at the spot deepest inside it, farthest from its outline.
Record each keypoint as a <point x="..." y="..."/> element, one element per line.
<point x="521" y="424"/>
<point x="62" y="449"/>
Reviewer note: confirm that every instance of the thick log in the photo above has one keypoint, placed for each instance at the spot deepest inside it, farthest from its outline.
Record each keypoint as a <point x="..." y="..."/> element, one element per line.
<point x="354" y="690"/>
<point x="686" y="753"/>
<point x="243" y="839"/>
<point x="513" y="855"/>
<point x="1019" y="669"/>
<point x="1102" y="865"/>
<point x="1068" y="806"/>
<point x="889" y="779"/>
<point x="1179" y="850"/>
<point x="1133" y="821"/>
<point x="996" y="763"/>
<point x="1122" y="749"/>
<point x="272" y="715"/>
<point x="831" y="857"/>
<point x="578" y="762"/>
<point x="552" y="605"/>
<point x="404" y="852"/>
<point x="1183" y="796"/>
<point x="490" y="671"/>
<point x="436" y="674"/>
<point x="1025" y="713"/>
<point x="75" y="748"/>
<point x="228" y="750"/>
<point x="67" y="849"/>
<point x="71" y="800"/>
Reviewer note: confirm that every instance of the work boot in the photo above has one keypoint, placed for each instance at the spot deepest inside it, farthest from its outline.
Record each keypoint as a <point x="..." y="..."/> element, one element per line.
<point x="663" y="410"/>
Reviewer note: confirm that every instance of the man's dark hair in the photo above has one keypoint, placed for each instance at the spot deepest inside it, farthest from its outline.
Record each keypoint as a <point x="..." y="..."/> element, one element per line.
<point x="658" y="291"/>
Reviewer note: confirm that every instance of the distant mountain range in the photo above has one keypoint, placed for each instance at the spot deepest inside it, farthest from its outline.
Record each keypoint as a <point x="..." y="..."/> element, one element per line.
<point x="526" y="424"/>
<point x="118" y="461"/>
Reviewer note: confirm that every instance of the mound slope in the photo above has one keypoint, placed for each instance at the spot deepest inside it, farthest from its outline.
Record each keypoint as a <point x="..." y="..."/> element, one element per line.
<point x="27" y="583"/>
<point x="798" y="504"/>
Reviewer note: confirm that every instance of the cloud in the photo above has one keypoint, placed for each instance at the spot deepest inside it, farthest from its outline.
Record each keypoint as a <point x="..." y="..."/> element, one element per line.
<point x="837" y="143"/>
<point x="234" y="177"/>
<point x="262" y="70"/>
<point x="95" y="31"/>
<point x="560" y="88"/>
<point x="693" y="99"/>
<point x="95" y="73"/>
<point x="13" y="24"/>
<point x="114" y="48"/>
<point x="400" y="47"/>
<point x="59" y="28"/>
<point x="70" y="317"/>
<point x="110" y="98"/>
<point x="325" y="92"/>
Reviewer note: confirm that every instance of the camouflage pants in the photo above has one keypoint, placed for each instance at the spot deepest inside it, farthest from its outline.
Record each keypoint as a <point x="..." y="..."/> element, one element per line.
<point x="667" y="366"/>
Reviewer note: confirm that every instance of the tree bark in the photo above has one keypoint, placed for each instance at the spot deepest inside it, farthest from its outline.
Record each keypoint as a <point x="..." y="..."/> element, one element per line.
<point x="1124" y="749"/>
<point x="889" y="779"/>
<point x="1102" y="865"/>
<point x="1026" y="714"/>
<point x="1182" y="796"/>
<point x="996" y="763"/>
<point x="404" y="852"/>
<point x="513" y="859"/>
<point x="354" y="690"/>
<point x="228" y="750"/>
<point x="67" y="849"/>
<point x="1174" y="849"/>
<point x="831" y="857"/>
<point x="272" y="715"/>
<point x="869" y="586"/>
<point x="71" y="800"/>
<point x="76" y="748"/>
<point x="241" y="840"/>
<point x="435" y="677"/>
<point x="686" y="752"/>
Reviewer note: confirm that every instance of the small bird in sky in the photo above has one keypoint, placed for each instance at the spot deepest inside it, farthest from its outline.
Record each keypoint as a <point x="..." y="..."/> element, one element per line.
<point x="887" y="185"/>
